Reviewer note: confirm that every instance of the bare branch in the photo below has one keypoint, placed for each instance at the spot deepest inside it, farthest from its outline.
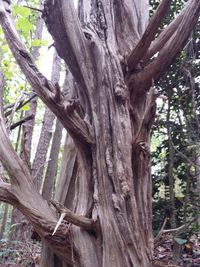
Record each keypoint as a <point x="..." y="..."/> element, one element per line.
<point x="6" y="194"/>
<point x="69" y="40"/>
<point x="170" y="50"/>
<point x="45" y="89"/>
<point x="23" y="195"/>
<point x="21" y="104"/>
<point x="16" y="124"/>
<point x="156" y="239"/>
<point x="81" y="221"/>
<point x="165" y="35"/>
<point x="177" y="230"/>
<point x="16" y="104"/>
<point x="33" y="8"/>
<point x="138" y="53"/>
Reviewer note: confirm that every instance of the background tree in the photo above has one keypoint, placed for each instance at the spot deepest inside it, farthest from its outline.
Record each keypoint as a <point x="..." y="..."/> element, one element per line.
<point x="111" y="58"/>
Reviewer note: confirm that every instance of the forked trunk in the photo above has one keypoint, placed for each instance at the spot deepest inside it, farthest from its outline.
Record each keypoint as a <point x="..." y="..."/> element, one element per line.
<point x="112" y="181"/>
<point x="109" y="117"/>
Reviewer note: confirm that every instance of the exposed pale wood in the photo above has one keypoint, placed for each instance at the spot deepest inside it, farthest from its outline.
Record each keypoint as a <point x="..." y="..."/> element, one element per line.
<point x="139" y="51"/>
<point x="75" y="219"/>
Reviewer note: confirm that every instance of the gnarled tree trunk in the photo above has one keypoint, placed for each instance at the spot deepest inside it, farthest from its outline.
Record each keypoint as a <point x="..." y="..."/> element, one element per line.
<point x="109" y="191"/>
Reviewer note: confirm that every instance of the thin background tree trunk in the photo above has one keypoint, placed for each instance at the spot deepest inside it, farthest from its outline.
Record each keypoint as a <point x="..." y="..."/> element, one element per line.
<point x="4" y="220"/>
<point x="40" y="159"/>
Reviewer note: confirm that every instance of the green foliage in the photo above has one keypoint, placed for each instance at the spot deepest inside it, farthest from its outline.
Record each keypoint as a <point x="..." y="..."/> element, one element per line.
<point x="24" y="12"/>
<point x="181" y="88"/>
<point x="24" y="25"/>
<point x="37" y="42"/>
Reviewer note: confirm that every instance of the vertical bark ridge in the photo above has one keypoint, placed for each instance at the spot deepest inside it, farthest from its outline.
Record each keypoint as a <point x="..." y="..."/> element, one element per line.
<point x="112" y="155"/>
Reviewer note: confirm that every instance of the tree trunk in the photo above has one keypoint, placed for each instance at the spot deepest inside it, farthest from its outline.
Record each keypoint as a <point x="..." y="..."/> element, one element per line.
<point x="4" y="221"/>
<point x="119" y="162"/>
<point x="172" y="210"/>
<point x="49" y="180"/>
<point x="110" y="122"/>
<point x="29" y="125"/>
<point x="46" y="131"/>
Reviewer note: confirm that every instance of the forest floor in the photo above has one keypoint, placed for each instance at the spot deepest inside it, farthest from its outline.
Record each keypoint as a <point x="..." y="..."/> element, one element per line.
<point x="188" y="254"/>
<point x="27" y="254"/>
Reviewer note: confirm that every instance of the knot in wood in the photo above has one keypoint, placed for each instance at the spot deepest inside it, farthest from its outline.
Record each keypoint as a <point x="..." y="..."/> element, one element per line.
<point x="125" y="189"/>
<point x="145" y="149"/>
<point x="120" y="91"/>
<point x="109" y="162"/>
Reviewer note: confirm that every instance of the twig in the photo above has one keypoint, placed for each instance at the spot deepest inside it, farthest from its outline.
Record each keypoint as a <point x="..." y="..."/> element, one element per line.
<point x="14" y="125"/>
<point x="161" y="231"/>
<point x="33" y="8"/>
<point x="19" y="100"/>
<point x="175" y="230"/>
<point x="22" y="104"/>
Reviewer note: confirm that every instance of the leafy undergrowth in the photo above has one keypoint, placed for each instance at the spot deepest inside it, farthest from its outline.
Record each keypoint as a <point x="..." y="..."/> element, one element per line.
<point x="189" y="253"/>
<point x="19" y="254"/>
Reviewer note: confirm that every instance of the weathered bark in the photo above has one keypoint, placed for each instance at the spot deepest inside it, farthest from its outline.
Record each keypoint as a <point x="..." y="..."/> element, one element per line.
<point x="4" y="220"/>
<point x="67" y="176"/>
<point x="112" y="157"/>
<point x="172" y="210"/>
<point x="47" y="256"/>
<point x="49" y="180"/>
<point x="149" y="35"/>
<point x="22" y="231"/>
<point x="110" y="123"/>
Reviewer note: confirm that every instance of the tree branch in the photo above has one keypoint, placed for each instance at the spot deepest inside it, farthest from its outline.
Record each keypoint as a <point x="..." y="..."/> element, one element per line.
<point x="81" y="221"/>
<point x="178" y="230"/>
<point x="68" y="116"/>
<point x="6" y="194"/>
<point x="170" y="50"/>
<point x="157" y="238"/>
<point x="165" y="35"/>
<point x="16" y="124"/>
<point x="33" y="8"/>
<point x="21" y="104"/>
<point x="69" y="40"/>
<point x="24" y="196"/>
<point x="138" y="53"/>
<point x="148" y="116"/>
